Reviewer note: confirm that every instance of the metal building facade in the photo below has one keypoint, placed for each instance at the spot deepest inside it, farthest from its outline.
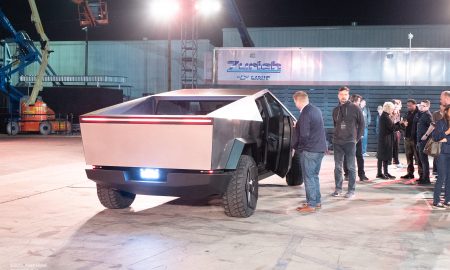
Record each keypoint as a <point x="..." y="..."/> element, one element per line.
<point x="144" y="63"/>
<point x="425" y="36"/>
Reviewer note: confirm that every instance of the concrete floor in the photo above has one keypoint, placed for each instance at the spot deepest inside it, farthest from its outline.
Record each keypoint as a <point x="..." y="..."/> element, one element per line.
<point x="51" y="219"/>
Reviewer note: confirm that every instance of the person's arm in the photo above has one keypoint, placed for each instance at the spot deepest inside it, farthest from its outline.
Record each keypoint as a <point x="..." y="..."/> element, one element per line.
<point x="430" y="129"/>
<point x="297" y="132"/>
<point x="428" y="132"/>
<point x="377" y="125"/>
<point x="439" y="132"/>
<point x="334" y="117"/>
<point x="360" y="123"/>
<point x="369" y="117"/>
<point x="306" y="128"/>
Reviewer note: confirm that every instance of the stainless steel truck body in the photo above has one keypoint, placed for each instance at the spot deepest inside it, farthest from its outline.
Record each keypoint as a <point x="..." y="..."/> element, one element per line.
<point x="190" y="143"/>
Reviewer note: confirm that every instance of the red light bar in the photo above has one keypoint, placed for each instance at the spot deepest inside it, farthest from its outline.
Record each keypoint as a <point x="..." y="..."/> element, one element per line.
<point x="146" y="120"/>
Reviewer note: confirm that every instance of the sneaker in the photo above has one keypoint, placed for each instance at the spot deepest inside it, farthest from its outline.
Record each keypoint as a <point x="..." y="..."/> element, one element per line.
<point x="349" y="195"/>
<point x="401" y="166"/>
<point x="366" y="155"/>
<point x="306" y="209"/>
<point x="407" y="176"/>
<point x="390" y="176"/>
<point x="336" y="193"/>
<point x="382" y="176"/>
<point x="318" y="206"/>
<point x="439" y="206"/>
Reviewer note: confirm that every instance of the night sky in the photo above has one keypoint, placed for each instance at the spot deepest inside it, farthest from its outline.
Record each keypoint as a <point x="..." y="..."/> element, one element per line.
<point x="130" y="20"/>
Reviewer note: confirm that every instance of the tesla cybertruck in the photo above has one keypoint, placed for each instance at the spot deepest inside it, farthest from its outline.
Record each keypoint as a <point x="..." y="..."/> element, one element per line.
<point x="190" y="143"/>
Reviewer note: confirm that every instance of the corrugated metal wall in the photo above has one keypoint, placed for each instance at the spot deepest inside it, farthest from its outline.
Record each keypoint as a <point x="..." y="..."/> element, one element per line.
<point x="425" y="36"/>
<point x="144" y="63"/>
<point x="326" y="99"/>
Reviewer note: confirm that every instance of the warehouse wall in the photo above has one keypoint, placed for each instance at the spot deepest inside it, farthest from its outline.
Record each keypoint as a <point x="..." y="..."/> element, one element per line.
<point x="425" y="36"/>
<point x="144" y="63"/>
<point x="326" y="99"/>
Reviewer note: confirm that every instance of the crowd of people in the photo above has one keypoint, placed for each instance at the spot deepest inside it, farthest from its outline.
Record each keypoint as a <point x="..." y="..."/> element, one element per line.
<point x="351" y="120"/>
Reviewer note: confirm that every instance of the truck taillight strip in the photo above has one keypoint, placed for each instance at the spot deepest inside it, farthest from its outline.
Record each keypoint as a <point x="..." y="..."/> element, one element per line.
<point x="138" y="120"/>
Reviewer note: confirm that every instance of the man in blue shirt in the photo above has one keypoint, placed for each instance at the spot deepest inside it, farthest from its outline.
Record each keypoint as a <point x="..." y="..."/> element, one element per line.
<point x="310" y="142"/>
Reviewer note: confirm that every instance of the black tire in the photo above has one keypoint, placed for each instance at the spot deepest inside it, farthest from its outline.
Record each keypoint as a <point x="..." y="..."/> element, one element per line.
<point x="113" y="198"/>
<point x="12" y="128"/>
<point x="241" y="195"/>
<point x="294" y="176"/>
<point x="45" y="128"/>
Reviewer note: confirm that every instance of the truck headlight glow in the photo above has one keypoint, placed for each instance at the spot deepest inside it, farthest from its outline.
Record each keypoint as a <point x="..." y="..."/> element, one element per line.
<point x="150" y="174"/>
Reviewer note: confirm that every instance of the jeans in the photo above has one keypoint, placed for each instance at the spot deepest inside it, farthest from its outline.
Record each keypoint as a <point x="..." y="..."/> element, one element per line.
<point x="364" y="140"/>
<point x="359" y="161"/>
<point x="411" y="153"/>
<point x="443" y="162"/>
<point x="348" y="151"/>
<point x="310" y="163"/>
<point x="425" y="176"/>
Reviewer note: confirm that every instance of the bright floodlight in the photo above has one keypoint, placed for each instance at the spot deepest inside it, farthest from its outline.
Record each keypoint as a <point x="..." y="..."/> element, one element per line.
<point x="207" y="7"/>
<point x="164" y="9"/>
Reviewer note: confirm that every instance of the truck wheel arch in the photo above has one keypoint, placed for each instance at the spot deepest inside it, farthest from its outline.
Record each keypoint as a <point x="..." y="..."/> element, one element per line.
<point x="240" y="147"/>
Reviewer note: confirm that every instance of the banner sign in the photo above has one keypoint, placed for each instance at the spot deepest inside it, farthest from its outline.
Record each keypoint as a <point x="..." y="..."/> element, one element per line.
<point x="254" y="65"/>
<point x="331" y="66"/>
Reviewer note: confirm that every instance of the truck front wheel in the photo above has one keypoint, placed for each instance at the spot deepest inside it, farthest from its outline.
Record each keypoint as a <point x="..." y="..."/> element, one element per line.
<point x="113" y="198"/>
<point x="241" y="195"/>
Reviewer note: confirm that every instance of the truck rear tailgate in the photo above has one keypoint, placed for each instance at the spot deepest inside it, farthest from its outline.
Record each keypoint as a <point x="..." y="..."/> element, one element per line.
<point x="148" y="141"/>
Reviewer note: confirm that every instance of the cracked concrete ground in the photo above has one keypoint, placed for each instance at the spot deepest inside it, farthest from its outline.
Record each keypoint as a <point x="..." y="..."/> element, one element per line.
<point x="51" y="219"/>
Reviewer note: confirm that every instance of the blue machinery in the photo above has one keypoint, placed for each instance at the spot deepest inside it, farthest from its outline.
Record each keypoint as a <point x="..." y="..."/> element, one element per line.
<point x="25" y="55"/>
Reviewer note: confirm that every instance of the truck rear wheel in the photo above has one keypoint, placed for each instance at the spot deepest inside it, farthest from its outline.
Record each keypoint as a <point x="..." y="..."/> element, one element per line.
<point x="12" y="128"/>
<point x="241" y="196"/>
<point x="294" y="176"/>
<point x="113" y="198"/>
<point x="45" y="128"/>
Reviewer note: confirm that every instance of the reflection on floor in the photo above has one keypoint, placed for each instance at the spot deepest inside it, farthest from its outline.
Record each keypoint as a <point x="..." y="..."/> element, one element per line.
<point x="51" y="219"/>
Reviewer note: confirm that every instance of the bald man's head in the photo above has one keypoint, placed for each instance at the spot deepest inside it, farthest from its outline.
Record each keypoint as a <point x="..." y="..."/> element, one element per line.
<point x="445" y="98"/>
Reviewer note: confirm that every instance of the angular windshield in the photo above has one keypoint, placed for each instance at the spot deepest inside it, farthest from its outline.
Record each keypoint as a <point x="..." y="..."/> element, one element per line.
<point x="189" y="107"/>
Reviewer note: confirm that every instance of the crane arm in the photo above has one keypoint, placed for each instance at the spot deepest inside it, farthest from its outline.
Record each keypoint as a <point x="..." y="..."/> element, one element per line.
<point x="45" y="51"/>
<point x="239" y="23"/>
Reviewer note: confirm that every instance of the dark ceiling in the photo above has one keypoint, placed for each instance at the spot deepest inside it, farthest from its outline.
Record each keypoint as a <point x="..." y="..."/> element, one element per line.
<point x="130" y="19"/>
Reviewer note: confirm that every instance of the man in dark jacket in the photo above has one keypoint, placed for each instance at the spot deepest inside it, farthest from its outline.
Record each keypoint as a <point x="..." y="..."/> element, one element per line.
<point x="311" y="144"/>
<point x="410" y="139"/>
<point x="357" y="99"/>
<point x="348" y="123"/>
<point x="424" y="122"/>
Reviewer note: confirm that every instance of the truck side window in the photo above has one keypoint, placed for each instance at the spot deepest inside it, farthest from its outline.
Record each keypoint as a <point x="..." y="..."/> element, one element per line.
<point x="274" y="106"/>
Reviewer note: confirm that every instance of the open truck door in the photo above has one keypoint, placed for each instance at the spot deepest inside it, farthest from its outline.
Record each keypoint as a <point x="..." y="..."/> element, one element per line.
<point x="279" y="138"/>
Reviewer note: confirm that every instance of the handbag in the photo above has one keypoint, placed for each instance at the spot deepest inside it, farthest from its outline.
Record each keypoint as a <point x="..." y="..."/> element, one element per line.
<point x="432" y="148"/>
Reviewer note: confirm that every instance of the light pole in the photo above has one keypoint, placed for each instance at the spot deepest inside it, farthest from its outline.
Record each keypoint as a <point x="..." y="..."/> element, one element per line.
<point x="410" y="37"/>
<point x="166" y="11"/>
<point x="169" y="10"/>
<point x="86" y="50"/>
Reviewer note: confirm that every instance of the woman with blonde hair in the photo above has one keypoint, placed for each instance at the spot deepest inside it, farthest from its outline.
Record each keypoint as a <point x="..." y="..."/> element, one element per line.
<point x="386" y="140"/>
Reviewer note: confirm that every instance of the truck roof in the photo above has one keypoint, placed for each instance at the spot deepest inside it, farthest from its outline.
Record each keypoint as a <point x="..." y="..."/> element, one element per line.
<point x="212" y="92"/>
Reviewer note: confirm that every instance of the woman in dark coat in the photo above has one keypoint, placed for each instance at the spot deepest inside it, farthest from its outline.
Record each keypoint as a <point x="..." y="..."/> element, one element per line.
<point x="442" y="134"/>
<point x="386" y="140"/>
